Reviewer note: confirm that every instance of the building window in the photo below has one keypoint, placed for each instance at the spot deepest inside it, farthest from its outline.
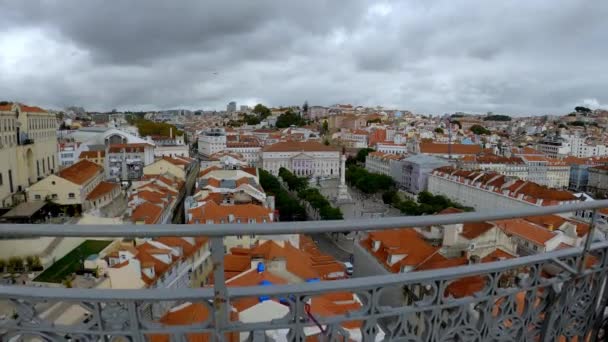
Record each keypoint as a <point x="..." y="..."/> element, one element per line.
<point x="53" y="182"/>
<point x="1" y="180"/>
<point x="37" y="197"/>
<point x="54" y="196"/>
<point x="71" y="195"/>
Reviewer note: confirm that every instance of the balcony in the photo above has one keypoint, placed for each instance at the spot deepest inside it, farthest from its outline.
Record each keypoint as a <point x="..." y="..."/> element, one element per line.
<point x="567" y="306"/>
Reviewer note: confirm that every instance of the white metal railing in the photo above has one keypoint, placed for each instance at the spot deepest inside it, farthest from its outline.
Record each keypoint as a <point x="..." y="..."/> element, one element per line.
<point x="517" y="302"/>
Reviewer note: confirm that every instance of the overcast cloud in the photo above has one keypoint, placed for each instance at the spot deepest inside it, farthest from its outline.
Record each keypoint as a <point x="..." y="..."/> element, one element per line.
<point x="516" y="57"/>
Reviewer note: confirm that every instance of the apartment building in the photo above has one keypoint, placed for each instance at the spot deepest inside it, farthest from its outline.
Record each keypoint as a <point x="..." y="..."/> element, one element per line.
<point x="597" y="182"/>
<point x="28" y="149"/>
<point x="250" y="150"/>
<point x="539" y="169"/>
<point x="379" y="162"/>
<point x="490" y="190"/>
<point x="211" y="141"/>
<point x="412" y="173"/>
<point x="127" y="161"/>
<point x="171" y="146"/>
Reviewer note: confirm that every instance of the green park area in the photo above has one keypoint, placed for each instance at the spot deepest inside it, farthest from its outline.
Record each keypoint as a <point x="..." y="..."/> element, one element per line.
<point x="72" y="261"/>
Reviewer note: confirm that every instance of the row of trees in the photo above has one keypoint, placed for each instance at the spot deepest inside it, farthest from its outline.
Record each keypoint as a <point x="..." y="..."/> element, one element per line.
<point x="147" y="127"/>
<point x="368" y="182"/>
<point x="289" y="208"/>
<point x="310" y="195"/>
<point x="427" y="203"/>
<point x="17" y="264"/>
<point x="497" y="117"/>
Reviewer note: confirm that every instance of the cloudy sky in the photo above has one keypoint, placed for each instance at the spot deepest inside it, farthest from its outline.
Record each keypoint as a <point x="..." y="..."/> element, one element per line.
<point x="518" y="57"/>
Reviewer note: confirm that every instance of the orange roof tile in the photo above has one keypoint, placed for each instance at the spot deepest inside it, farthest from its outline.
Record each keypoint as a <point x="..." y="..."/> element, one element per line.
<point x="101" y="189"/>
<point x="148" y="212"/>
<point x="31" y="109"/>
<point x="81" y="172"/>
<point x="303" y="146"/>
<point x="526" y="230"/>
<point x="472" y="230"/>
<point x="216" y="213"/>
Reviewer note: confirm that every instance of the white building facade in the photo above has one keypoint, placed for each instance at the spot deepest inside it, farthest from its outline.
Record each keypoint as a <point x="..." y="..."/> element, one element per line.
<point x="212" y="141"/>
<point x="302" y="158"/>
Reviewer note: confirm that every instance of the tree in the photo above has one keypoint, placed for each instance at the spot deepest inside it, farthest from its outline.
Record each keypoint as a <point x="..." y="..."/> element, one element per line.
<point x="289" y="118"/>
<point x="456" y="122"/>
<point x="480" y="130"/>
<point x="15" y="264"/>
<point x="2" y="265"/>
<point x="581" y="109"/>
<point x="577" y="123"/>
<point x="261" y="111"/>
<point x="439" y="130"/>
<point x="325" y="127"/>
<point x="362" y="154"/>
<point x="496" y="117"/>
<point x="305" y="107"/>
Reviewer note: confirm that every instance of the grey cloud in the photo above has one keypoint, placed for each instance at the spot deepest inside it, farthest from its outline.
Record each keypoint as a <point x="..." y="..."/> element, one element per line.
<point x="522" y="57"/>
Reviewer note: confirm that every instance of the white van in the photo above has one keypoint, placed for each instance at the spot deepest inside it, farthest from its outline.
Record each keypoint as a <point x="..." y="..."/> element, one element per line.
<point x="348" y="268"/>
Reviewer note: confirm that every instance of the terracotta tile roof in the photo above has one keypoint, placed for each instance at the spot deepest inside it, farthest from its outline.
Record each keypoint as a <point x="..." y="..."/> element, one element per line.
<point x="80" y="172"/>
<point x="555" y="221"/>
<point x="406" y="242"/>
<point x="492" y="159"/>
<point x="91" y="154"/>
<point x="497" y="255"/>
<point x="216" y="213"/>
<point x="303" y="146"/>
<point x="6" y="107"/>
<point x="190" y="314"/>
<point x="472" y="230"/>
<point x="147" y="212"/>
<point x="101" y="189"/>
<point x="433" y="148"/>
<point x="526" y="230"/>
<point x="31" y="109"/>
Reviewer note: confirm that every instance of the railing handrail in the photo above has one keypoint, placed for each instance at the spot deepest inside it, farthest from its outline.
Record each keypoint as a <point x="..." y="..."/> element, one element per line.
<point x="302" y="227"/>
<point x="201" y="294"/>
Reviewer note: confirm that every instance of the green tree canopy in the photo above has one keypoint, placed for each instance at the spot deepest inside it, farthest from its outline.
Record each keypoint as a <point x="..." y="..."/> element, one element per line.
<point x="439" y="130"/>
<point x="147" y="127"/>
<point x="480" y="130"/>
<point x="581" y="109"/>
<point x="261" y="111"/>
<point x="289" y="118"/>
<point x="497" y="117"/>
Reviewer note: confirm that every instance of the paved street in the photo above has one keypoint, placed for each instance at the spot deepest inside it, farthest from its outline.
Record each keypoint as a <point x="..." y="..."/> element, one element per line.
<point x="363" y="206"/>
<point x="327" y="246"/>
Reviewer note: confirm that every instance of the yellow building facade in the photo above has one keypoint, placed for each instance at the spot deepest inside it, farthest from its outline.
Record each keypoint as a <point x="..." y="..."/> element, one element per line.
<point x="28" y="149"/>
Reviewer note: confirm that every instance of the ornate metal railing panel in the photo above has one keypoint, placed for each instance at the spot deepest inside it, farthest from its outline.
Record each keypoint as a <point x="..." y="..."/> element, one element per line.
<point x="544" y="297"/>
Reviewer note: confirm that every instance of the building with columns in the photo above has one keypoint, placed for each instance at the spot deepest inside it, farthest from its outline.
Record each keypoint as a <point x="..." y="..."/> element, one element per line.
<point x="303" y="158"/>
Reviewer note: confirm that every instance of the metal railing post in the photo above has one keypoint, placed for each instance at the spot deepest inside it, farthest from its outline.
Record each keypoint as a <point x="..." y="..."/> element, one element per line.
<point x="588" y="240"/>
<point x="220" y="295"/>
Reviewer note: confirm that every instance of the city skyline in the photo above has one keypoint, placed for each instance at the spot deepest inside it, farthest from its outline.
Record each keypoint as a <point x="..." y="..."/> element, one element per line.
<point x="518" y="59"/>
